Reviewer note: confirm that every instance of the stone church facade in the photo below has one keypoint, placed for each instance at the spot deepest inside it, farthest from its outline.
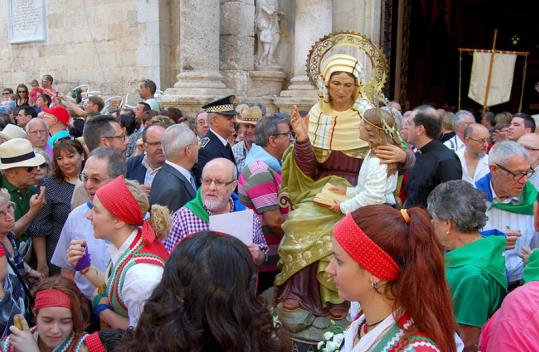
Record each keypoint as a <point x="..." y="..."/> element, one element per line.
<point x="195" y="50"/>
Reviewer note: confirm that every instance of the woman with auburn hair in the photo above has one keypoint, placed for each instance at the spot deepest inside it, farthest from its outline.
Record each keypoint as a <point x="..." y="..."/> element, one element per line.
<point x="61" y="317"/>
<point x="391" y="263"/>
<point x="206" y="301"/>
<point x="136" y="252"/>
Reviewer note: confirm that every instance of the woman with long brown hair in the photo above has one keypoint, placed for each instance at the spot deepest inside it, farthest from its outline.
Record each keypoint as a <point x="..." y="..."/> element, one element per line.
<point x="391" y="263"/>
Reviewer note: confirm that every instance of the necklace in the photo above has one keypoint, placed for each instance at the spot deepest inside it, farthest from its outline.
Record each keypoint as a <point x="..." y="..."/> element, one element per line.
<point x="364" y="328"/>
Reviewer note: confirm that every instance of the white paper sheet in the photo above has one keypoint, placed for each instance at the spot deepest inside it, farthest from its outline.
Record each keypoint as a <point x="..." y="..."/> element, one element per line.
<point x="238" y="224"/>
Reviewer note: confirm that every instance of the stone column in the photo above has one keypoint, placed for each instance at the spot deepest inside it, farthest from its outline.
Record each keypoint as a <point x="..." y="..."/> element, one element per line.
<point x="313" y="20"/>
<point x="199" y="80"/>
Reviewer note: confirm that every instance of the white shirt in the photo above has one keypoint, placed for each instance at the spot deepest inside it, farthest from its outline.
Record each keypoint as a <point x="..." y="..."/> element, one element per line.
<point x="373" y="186"/>
<point x="505" y="221"/>
<point x="78" y="227"/>
<point x="139" y="282"/>
<point x="480" y="170"/>
<point x="454" y="143"/>
<point x="223" y="140"/>
<point x="150" y="173"/>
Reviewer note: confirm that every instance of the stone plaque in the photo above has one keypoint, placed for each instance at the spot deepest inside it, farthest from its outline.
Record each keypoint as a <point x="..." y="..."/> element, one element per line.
<point x="27" y="21"/>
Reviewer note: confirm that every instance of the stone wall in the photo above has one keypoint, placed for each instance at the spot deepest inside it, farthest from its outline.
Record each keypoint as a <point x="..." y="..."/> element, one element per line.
<point x="108" y="44"/>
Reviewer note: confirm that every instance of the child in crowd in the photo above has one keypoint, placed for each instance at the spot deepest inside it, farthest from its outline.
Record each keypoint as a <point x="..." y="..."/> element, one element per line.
<point x="376" y="181"/>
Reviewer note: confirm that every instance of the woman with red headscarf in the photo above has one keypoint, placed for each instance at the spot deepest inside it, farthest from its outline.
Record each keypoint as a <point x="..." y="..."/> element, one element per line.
<point x="137" y="255"/>
<point x="391" y="263"/>
<point x="61" y="316"/>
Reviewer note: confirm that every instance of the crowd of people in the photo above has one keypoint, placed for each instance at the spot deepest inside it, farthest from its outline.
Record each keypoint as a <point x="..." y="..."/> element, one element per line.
<point x="108" y="240"/>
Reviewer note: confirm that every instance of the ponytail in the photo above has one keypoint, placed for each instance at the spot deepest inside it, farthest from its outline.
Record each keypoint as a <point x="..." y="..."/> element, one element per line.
<point x="422" y="290"/>
<point x="160" y="221"/>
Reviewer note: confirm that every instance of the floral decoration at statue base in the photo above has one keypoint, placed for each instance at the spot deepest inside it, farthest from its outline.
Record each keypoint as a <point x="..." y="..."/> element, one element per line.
<point x="333" y="339"/>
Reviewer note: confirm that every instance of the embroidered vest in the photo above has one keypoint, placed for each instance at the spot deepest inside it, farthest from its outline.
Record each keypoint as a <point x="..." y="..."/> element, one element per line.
<point x="71" y="344"/>
<point x="137" y="253"/>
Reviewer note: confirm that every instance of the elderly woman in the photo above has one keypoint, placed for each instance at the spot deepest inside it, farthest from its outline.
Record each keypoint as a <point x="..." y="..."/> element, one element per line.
<point x="390" y="262"/>
<point x="327" y="149"/>
<point x="137" y="255"/>
<point x="475" y="266"/>
<point x="13" y="269"/>
<point x="47" y="226"/>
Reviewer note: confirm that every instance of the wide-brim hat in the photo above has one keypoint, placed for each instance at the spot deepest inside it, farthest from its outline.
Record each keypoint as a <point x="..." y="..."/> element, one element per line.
<point x="249" y="115"/>
<point x="11" y="131"/>
<point x="18" y="152"/>
<point x="224" y="106"/>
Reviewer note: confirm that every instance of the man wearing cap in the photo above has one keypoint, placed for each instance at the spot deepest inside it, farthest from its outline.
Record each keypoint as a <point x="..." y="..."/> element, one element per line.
<point x="19" y="165"/>
<point x="57" y="118"/>
<point x="221" y="118"/>
<point x="246" y="120"/>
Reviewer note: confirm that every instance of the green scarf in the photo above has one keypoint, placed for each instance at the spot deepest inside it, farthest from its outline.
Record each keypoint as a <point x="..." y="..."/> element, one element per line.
<point x="531" y="272"/>
<point x="525" y="207"/>
<point x="197" y="207"/>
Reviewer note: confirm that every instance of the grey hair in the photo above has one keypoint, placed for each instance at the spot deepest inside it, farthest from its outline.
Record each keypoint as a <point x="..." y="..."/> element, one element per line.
<point x="34" y="121"/>
<point x="116" y="163"/>
<point x="267" y="127"/>
<point x="459" y="202"/>
<point x="175" y="139"/>
<point x="4" y="196"/>
<point x="503" y="151"/>
<point x="458" y="116"/>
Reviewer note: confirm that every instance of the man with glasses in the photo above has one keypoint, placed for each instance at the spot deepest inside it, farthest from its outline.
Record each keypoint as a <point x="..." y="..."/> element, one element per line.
<point x="37" y="133"/>
<point x="435" y="163"/>
<point x="221" y="119"/>
<point x="511" y="198"/>
<point x="145" y="166"/>
<point x="174" y="184"/>
<point x="19" y="163"/>
<point x="530" y="142"/>
<point x="474" y="158"/>
<point x="216" y="196"/>
<point x="100" y="131"/>
<point x="102" y="166"/>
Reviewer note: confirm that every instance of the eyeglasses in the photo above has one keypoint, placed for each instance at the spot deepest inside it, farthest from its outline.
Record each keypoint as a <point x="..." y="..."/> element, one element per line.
<point x="532" y="149"/>
<point x="121" y="137"/>
<point x="9" y="210"/>
<point x="36" y="132"/>
<point x="517" y="176"/>
<point x="153" y="144"/>
<point x="22" y="91"/>
<point x="95" y="180"/>
<point x="288" y="134"/>
<point x="69" y="138"/>
<point x="207" y="182"/>
<point x="6" y="93"/>
<point x="480" y="141"/>
<point x="31" y="168"/>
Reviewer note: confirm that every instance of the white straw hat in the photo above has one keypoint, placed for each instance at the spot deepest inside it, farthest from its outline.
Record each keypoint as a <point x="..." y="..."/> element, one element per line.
<point x="18" y="152"/>
<point x="11" y="131"/>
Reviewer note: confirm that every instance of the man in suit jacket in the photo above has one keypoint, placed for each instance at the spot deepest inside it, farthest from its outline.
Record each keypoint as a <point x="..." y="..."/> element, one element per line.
<point x="221" y="118"/>
<point x="174" y="185"/>
<point x="143" y="168"/>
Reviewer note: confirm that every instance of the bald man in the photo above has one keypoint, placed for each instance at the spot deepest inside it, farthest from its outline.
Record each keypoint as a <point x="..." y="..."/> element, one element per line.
<point x="473" y="157"/>
<point x="530" y="142"/>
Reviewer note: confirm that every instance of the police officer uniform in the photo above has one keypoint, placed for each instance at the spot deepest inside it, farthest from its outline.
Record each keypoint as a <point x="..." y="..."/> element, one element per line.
<point x="213" y="146"/>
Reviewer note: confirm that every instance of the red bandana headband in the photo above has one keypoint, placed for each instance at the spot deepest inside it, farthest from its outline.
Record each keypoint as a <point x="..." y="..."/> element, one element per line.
<point x="364" y="250"/>
<point x="93" y="343"/>
<point x="52" y="298"/>
<point x="120" y="202"/>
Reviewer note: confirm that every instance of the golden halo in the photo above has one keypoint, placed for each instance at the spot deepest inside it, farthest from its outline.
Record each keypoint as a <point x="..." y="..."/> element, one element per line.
<point x="374" y="85"/>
